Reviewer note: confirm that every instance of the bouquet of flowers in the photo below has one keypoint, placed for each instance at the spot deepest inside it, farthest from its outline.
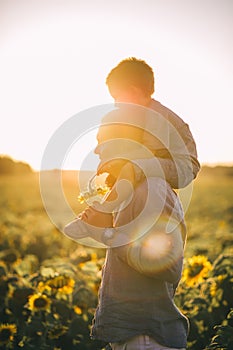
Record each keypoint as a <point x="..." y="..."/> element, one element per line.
<point x="94" y="192"/>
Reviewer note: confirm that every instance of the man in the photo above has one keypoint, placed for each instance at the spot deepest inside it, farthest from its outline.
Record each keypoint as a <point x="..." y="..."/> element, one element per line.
<point x="135" y="307"/>
<point x="144" y="260"/>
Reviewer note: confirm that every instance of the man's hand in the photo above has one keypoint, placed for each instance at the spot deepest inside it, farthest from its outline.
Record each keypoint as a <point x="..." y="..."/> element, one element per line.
<point x="97" y="218"/>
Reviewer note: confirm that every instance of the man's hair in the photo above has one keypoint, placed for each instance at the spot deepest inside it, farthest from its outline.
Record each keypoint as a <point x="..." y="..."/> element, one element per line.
<point x="132" y="71"/>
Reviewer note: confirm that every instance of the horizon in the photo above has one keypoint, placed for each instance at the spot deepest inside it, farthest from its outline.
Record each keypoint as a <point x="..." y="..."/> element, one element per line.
<point x="205" y="164"/>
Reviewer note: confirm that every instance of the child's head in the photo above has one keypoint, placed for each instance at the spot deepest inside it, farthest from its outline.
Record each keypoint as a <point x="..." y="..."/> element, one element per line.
<point x="129" y="79"/>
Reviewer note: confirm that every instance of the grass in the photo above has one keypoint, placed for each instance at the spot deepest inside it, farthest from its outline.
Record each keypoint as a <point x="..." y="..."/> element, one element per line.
<point x="33" y="251"/>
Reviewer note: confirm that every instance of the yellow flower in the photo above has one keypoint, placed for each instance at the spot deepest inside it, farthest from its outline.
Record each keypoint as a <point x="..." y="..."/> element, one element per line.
<point x="102" y="190"/>
<point x="61" y="284"/>
<point x="43" y="288"/>
<point x="215" y="285"/>
<point x="94" y="256"/>
<point x="201" y="326"/>
<point x="39" y="302"/>
<point x="81" y="198"/>
<point x="7" y="332"/>
<point x="77" y="310"/>
<point x="9" y="256"/>
<point x="99" y="191"/>
<point x="197" y="269"/>
<point x="85" y="317"/>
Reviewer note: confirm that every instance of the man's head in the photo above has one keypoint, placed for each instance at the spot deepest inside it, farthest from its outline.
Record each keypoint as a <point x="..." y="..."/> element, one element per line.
<point x="131" y="81"/>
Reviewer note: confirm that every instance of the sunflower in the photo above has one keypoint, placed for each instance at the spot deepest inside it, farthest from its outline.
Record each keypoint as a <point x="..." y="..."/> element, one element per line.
<point x="10" y="257"/>
<point x="39" y="302"/>
<point x="44" y="288"/>
<point x="61" y="284"/>
<point x="7" y="332"/>
<point x="217" y="289"/>
<point x="196" y="271"/>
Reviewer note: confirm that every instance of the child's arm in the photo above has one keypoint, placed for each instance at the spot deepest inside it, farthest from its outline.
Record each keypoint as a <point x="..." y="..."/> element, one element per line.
<point x="177" y="163"/>
<point x="171" y="155"/>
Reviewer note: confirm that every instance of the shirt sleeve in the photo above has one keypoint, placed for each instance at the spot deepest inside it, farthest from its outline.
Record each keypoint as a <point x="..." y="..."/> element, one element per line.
<point x="174" y="149"/>
<point x="179" y="172"/>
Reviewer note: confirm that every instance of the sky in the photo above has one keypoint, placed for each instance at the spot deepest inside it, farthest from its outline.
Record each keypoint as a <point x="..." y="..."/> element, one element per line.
<point x="55" y="56"/>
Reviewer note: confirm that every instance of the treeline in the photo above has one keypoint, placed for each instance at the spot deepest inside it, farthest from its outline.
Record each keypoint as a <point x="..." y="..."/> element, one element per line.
<point x="218" y="171"/>
<point x="10" y="166"/>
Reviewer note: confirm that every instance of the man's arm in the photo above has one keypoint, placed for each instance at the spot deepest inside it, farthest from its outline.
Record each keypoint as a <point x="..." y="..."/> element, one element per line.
<point x="176" y="161"/>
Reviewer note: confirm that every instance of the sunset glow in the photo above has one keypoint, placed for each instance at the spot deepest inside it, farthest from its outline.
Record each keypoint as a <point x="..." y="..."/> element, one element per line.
<point x="55" y="57"/>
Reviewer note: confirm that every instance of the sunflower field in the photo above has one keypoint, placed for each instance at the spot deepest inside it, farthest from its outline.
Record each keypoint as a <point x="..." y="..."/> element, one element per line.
<point x="49" y="284"/>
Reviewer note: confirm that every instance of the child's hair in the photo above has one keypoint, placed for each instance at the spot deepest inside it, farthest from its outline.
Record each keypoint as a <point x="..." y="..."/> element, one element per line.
<point x="132" y="71"/>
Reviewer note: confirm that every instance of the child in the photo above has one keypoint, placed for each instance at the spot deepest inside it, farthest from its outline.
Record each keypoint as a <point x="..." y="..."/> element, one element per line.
<point x="142" y="138"/>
